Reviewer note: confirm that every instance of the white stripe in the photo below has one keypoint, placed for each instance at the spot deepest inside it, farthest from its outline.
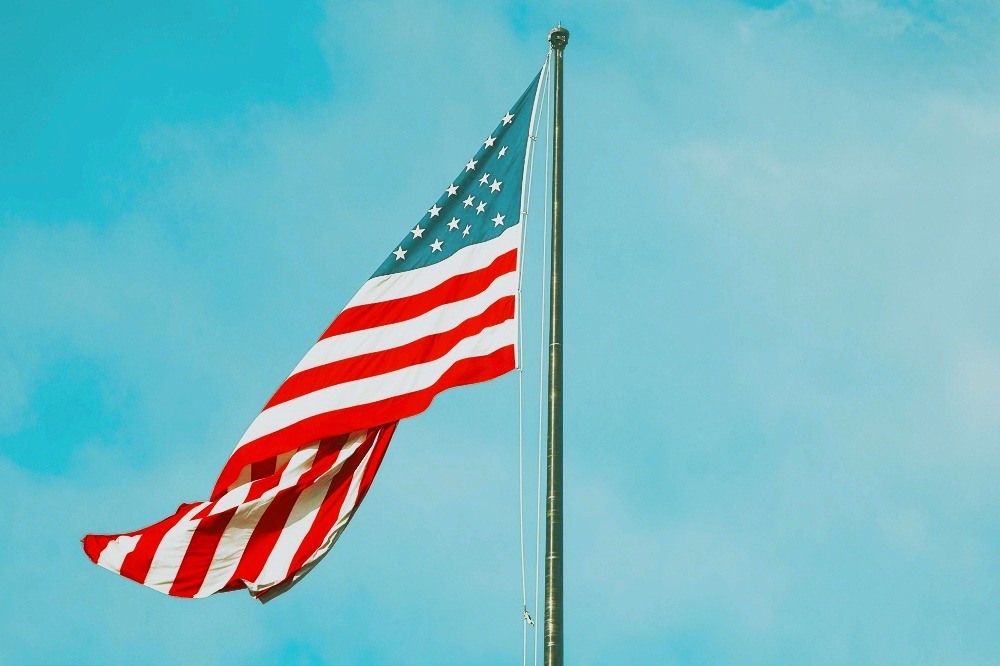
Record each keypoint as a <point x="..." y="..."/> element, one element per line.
<point x="346" y="510"/>
<point x="300" y="463"/>
<point x="380" y="338"/>
<point x="114" y="553"/>
<point x="297" y="526"/>
<point x="237" y="534"/>
<point x="419" y="280"/>
<point x="278" y="566"/>
<point x="244" y="476"/>
<point x="170" y="553"/>
<point x="380" y="387"/>
<point x="283" y="458"/>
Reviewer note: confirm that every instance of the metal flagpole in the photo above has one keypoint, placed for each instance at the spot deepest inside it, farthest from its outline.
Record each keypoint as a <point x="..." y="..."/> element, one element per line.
<point x="558" y="38"/>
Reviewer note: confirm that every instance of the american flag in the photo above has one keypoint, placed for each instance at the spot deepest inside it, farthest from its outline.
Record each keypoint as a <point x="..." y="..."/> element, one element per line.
<point x="439" y="312"/>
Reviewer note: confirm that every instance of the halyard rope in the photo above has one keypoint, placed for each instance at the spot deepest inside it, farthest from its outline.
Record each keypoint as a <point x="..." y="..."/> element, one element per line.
<point x="541" y="364"/>
<point x="527" y="619"/>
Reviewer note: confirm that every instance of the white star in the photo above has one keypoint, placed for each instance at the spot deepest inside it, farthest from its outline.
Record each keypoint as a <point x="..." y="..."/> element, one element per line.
<point x="507" y="119"/>
<point x="471" y="166"/>
<point x="485" y="180"/>
<point x="502" y="151"/>
<point x="436" y="245"/>
<point x="471" y="201"/>
<point x="452" y="190"/>
<point x="489" y="142"/>
<point x="418" y="232"/>
<point x="453" y="225"/>
<point x="495" y="187"/>
<point x="498" y="220"/>
<point x="435" y="210"/>
<point x="480" y="207"/>
<point x="465" y="232"/>
<point x="400" y="253"/>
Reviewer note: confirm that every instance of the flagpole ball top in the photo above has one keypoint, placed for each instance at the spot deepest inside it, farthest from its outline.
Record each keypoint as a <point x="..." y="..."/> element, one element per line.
<point x="558" y="37"/>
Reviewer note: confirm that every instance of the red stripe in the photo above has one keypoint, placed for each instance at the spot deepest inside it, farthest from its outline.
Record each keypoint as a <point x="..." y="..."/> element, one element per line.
<point x="428" y="348"/>
<point x="199" y="554"/>
<point x="208" y="533"/>
<point x="327" y="518"/>
<point x="262" y="469"/>
<point x="94" y="545"/>
<point x="232" y="586"/>
<point x="465" y="371"/>
<point x="329" y="510"/>
<point x="455" y="288"/>
<point x="265" y="534"/>
<point x="261" y="486"/>
<point x="136" y="564"/>
<point x="381" y="444"/>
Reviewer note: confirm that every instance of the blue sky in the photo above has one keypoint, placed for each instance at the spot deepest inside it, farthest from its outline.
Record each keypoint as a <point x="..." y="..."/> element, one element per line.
<point x="783" y="327"/>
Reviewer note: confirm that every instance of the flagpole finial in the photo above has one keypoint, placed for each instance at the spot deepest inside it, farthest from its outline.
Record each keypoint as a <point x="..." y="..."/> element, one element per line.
<point x="558" y="37"/>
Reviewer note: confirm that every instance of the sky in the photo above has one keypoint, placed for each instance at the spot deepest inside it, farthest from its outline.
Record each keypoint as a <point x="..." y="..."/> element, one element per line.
<point x="782" y="416"/>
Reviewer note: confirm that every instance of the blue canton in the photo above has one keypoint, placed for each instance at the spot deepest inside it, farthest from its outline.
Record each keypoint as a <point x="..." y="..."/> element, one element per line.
<point x="482" y="202"/>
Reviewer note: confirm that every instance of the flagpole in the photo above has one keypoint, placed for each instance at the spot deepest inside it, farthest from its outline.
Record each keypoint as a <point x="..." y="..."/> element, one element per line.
<point x="553" y="655"/>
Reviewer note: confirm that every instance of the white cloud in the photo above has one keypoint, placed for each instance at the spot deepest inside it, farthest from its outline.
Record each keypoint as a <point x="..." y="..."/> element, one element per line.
<point x="974" y="388"/>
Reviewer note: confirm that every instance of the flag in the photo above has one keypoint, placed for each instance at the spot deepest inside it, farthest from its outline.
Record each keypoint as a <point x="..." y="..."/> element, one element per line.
<point x="439" y="312"/>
